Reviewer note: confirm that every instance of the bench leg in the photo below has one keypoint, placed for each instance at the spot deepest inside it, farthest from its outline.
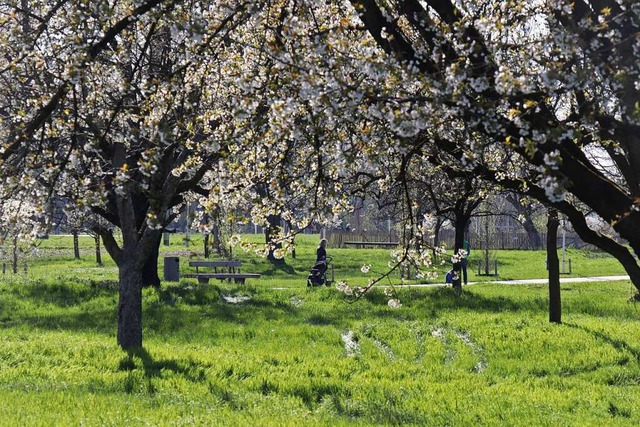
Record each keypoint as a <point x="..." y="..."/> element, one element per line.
<point x="203" y="280"/>
<point x="239" y="280"/>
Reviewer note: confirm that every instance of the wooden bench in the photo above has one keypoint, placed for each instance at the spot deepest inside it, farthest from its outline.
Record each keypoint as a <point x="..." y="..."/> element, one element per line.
<point x="359" y="245"/>
<point x="222" y="270"/>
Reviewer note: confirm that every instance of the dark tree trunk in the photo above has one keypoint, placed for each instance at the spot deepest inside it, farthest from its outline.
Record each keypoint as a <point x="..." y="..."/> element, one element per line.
<point x="76" y="245"/>
<point x="15" y="255"/>
<point x="620" y="252"/>
<point x="150" y="270"/>
<point x="460" y="226"/>
<point x="293" y="251"/>
<point x="98" y="253"/>
<point x="487" y="243"/>
<point x="553" y="265"/>
<point x="206" y="245"/>
<point x="130" y="306"/>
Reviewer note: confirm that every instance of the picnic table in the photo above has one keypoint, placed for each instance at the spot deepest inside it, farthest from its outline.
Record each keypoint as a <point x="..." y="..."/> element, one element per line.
<point x="221" y="270"/>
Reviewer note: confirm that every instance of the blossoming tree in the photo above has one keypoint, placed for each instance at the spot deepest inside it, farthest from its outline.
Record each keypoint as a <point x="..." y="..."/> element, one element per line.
<point x="128" y="109"/>
<point x="555" y="84"/>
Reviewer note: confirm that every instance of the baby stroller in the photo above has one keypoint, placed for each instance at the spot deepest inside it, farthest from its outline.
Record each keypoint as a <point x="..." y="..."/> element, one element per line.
<point x="318" y="274"/>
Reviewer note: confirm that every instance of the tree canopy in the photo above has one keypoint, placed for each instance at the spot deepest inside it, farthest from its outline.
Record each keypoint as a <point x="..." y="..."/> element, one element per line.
<point x="130" y="109"/>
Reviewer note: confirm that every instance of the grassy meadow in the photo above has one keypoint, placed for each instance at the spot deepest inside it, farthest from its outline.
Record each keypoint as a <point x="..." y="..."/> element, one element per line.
<point x="273" y="352"/>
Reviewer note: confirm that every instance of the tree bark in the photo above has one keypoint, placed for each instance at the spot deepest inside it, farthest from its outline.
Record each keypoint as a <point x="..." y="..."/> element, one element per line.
<point x="130" y="305"/>
<point x="553" y="265"/>
<point x="98" y="253"/>
<point x="460" y="227"/>
<point x="76" y="245"/>
<point x="15" y="255"/>
<point x="150" y="270"/>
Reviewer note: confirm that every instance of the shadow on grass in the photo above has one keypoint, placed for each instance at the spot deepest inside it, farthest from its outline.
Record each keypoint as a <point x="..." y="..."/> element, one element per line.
<point x="189" y="369"/>
<point x="446" y="299"/>
<point x="277" y="268"/>
<point x="102" y="321"/>
<point x="64" y="294"/>
<point x="616" y="343"/>
<point x="178" y="308"/>
<point x="155" y="369"/>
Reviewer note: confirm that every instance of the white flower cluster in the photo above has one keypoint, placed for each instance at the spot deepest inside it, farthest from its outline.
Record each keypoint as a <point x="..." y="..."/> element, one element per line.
<point x="553" y="190"/>
<point x="460" y="255"/>
<point x="394" y="303"/>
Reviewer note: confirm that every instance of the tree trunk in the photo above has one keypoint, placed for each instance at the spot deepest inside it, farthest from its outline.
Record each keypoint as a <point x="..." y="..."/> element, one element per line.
<point x="130" y="306"/>
<point x="98" y="254"/>
<point x="436" y="236"/>
<point x="217" y="243"/>
<point x="15" y="255"/>
<point x="460" y="226"/>
<point x="150" y="270"/>
<point x="206" y="246"/>
<point x="487" y="242"/>
<point x="553" y="265"/>
<point x="535" y="240"/>
<point x="270" y="232"/>
<point x="76" y="245"/>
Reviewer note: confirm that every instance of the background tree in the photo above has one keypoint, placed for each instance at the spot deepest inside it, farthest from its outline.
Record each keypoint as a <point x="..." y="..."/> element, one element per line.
<point x="525" y="211"/>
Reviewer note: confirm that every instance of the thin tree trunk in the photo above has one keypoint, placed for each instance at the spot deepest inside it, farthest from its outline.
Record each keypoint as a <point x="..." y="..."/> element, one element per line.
<point x="553" y="265"/>
<point x="76" y="245"/>
<point x="206" y="246"/>
<point x="487" y="242"/>
<point x="15" y="255"/>
<point x="460" y="225"/>
<point x="217" y="243"/>
<point x="98" y="253"/>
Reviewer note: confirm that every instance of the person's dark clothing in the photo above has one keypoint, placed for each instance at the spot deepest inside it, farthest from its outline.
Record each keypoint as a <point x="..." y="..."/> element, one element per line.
<point x="321" y="254"/>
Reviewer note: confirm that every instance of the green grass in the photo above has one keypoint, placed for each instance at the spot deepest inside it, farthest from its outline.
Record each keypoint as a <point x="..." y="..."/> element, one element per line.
<point x="488" y="357"/>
